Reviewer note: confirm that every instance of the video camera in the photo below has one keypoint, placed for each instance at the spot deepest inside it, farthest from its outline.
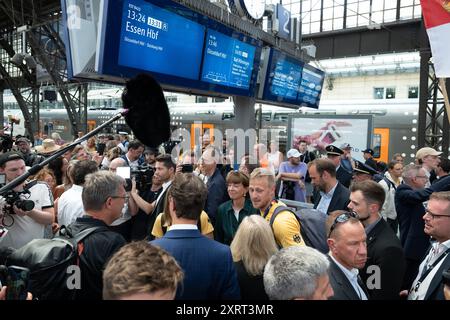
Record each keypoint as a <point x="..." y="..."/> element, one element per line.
<point x="143" y="176"/>
<point x="16" y="198"/>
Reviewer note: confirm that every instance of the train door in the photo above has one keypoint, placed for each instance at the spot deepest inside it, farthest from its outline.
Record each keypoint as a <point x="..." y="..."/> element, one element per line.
<point x="198" y="129"/>
<point x="91" y="124"/>
<point x="380" y="143"/>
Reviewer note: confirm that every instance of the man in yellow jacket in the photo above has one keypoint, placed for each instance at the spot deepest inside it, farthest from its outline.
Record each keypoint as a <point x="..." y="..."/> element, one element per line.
<point x="286" y="227"/>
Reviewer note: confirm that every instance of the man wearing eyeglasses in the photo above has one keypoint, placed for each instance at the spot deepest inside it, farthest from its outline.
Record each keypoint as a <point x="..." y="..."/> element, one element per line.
<point x="385" y="267"/>
<point x="348" y="253"/>
<point x="103" y="198"/>
<point x="428" y="284"/>
<point x="410" y="208"/>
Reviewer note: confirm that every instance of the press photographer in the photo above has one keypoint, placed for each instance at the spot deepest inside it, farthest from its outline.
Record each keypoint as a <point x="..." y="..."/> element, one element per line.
<point x="24" y="224"/>
<point x="164" y="172"/>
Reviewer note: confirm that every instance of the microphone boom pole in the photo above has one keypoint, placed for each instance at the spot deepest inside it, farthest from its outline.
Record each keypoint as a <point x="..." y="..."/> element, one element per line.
<point x="36" y="168"/>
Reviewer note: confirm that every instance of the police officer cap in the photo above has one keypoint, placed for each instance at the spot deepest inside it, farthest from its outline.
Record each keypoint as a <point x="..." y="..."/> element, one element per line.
<point x="333" y="150"/>
<point x="363" y="168"/>
<point x="9" y="156"/>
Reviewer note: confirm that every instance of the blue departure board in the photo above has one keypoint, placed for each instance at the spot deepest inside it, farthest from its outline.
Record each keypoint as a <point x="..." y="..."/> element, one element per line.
<point x="227" y="61"/>
<point x="157" y="40"/>
<point x="311" y="86"/>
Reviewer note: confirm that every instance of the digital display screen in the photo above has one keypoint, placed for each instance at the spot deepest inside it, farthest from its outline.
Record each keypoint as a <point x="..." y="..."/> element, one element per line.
<point x="158" y="40"/>
<point x="184" y="50"/>
<point x="310" y="87"/>
<point x="285" y="76"/>
<point x="289" y="81"/>
<point x="227" y="61"/>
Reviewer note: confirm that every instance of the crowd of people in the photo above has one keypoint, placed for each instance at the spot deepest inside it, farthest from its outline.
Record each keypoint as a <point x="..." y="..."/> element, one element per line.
<point x="204" y="228"/>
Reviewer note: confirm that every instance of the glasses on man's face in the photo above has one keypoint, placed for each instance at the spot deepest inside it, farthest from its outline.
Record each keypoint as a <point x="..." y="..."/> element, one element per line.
<point x="126" y="197"/>
<point x="344" y="217"/>
<point x="434" y="215"/>
<point x="423" y="177"/>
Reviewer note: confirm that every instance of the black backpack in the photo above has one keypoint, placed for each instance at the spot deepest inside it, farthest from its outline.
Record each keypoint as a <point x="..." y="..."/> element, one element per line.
<point x="48" y="261"/>
<point x="312" y="226"/>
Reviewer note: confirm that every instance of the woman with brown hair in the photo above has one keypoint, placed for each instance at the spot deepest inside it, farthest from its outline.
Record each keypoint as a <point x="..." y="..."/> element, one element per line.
<point x="231" y="213"/>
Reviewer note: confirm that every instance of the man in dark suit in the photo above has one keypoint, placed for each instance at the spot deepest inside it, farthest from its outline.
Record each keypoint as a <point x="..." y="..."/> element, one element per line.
<point x="385" y="267"/>
<point x="217" y="189"/>
<point x="342" y="175"/>
<point x="330" y="194"/>
<point x="348" y="253"/>
<point x="208" y="267"/>
<point x="165" y="172"/>
<point x="428" y="284"/>
<point x="409" y="199"/>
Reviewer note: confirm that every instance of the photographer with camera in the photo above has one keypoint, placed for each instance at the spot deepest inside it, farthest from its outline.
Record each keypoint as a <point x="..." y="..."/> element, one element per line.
<point x="29" y="206"/>
<point x="165" y="172"/>
<point x="122" y="225"/>
<point x="31" y="158"/>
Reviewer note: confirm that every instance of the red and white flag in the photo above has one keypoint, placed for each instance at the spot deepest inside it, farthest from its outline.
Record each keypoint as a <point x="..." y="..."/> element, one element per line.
<point x="436" y="14"/>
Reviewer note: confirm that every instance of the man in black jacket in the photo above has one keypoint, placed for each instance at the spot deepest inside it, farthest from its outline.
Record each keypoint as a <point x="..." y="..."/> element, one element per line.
<point x="385" y="265"/>
<point x="103" y="197"/>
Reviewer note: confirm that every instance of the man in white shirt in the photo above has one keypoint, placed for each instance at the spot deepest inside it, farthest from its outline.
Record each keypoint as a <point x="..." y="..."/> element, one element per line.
<point x="70" y="204"/>
<point x="348" y="253"/>
<point x="428" y="284"/>
<point x="24" y="226"/>
<point x="133" y="157"/>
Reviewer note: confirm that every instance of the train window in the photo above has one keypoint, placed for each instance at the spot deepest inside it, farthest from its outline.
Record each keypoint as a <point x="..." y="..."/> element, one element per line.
<point x="390" y="93"/>
<point x="378" y="93"/>
<point x="376" y="142"/>
<point x="413" y="92"/>
<point x="200" y="99"/>
<point x="227" y="115"/>
<point x="219" y="99"/>
<point x="267" y="116"/>
<point x="281" y="117"/>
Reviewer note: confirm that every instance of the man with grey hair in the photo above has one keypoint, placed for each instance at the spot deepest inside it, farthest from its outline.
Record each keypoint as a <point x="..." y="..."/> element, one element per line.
<point x="103" y="198"/>
<point x="297" y="273"/>
<point x="409" y="204"/>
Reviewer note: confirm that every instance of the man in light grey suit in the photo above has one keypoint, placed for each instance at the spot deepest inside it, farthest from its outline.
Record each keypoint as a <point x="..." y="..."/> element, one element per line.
<point x="348" y="253"/>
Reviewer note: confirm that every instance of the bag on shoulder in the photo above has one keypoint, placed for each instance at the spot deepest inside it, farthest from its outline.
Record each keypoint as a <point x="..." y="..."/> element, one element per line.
<point x="48" y="261"/>
<point x="312" y="226"/>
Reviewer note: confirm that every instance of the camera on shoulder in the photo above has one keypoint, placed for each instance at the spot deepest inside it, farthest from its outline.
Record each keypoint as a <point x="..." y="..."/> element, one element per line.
<point x="143" y="175"/>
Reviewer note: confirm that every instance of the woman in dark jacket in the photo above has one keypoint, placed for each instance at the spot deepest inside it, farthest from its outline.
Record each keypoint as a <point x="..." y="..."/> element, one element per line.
<point x="251" y="248"/>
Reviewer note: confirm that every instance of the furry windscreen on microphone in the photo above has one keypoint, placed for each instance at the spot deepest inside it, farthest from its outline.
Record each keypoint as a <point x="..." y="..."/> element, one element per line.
<point x="148" y="114"/>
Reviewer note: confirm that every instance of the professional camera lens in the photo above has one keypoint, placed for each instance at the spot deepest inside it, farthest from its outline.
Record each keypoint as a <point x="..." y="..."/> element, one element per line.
<point x="25" y="205"/>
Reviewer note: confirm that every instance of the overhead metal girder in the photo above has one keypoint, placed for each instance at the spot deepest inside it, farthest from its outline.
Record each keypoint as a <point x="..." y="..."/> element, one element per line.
<point x="433" y="118"/>
<point x="398" y="36"/>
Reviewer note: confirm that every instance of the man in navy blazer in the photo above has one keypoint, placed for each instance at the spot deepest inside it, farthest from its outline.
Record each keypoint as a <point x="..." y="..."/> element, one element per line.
<point x="208" y="267"/>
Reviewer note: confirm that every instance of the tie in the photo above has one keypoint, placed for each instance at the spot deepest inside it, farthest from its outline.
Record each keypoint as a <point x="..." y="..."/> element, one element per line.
<point x="360" y="287"/>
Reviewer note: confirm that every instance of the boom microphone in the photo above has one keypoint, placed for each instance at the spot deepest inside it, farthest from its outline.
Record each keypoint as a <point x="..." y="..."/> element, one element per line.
<point x="148" y="114"/>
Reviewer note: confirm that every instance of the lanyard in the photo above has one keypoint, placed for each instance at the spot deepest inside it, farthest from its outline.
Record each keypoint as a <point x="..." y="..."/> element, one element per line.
<point x="425" y="274"/>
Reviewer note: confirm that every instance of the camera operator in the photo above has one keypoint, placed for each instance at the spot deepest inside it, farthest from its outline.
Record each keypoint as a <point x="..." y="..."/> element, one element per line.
<point x="122" y="225"/>
<point x="24" y="226"/>
<point x="30" y="157"/>
<point x="165" y="172"/>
